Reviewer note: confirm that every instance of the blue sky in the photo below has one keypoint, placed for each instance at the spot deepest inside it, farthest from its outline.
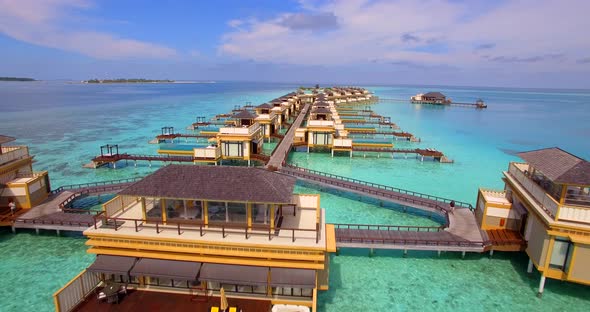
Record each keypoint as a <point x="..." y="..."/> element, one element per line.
<point x="524" y="43"/>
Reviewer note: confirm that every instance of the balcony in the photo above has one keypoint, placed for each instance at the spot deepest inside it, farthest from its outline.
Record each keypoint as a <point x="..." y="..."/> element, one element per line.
<point x="209" y="152"/>
<point x="538" y="190"/>
<point x="11" y="153"/>
<point x="320" y="123"/>
<point x="241" y="130"/>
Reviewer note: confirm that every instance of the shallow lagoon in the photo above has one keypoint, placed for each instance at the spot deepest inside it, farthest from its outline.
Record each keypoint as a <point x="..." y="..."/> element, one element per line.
<point x="64" y="125"/>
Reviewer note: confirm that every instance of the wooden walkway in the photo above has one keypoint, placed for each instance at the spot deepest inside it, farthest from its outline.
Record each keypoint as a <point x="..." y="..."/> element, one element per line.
<point x="436" y="155"/>
<point x="460" y="233"/>
<point x="53" y="213"/>
<point x="282" y="150"/>
<point x="474" y="105"/>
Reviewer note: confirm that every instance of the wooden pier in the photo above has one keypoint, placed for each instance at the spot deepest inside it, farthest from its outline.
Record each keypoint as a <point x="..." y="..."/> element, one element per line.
<point x="460" y="233"/>
<point x="54" y="214"/>
<point x="103" y="160"/>
<point x="419" y="152"/>
<point x="461" y="104"/>
<point x="277" y="159"/>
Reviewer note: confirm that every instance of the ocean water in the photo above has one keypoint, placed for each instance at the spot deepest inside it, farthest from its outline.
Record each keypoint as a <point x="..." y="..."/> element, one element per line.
<point x="65" y="125"/>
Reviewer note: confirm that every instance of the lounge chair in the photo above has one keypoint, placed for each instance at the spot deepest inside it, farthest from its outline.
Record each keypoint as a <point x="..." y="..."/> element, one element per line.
<point x="233" y="309"/>
<point x="101" y="296"/>
<point x="214" y="309"/>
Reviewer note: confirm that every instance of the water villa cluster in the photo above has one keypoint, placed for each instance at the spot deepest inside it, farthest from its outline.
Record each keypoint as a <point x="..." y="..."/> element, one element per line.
<point x="330" y="119"/>
<point x="191" y="236"/>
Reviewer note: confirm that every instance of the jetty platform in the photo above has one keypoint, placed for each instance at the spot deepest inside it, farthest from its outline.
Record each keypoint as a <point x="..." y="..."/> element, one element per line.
<point x="461" y="104"/>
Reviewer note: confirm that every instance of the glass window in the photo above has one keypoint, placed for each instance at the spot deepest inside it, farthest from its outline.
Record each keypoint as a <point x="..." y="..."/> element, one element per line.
<point x="235" y="149"/>
<point x="153" y="208"/>
<point x="260" y="213"/>
<point x="577" y="195"/>
<point x="560" y="253"/>
<point x="237" y="212"/>
<point x="216" y="211"/>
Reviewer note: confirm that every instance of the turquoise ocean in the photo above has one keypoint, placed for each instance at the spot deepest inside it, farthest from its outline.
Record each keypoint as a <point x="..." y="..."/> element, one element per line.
<point x="64" y="124"/>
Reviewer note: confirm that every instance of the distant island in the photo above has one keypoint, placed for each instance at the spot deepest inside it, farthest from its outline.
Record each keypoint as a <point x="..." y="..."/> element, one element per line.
<point x="133" y="80"/>
<point x="16" y="79"/>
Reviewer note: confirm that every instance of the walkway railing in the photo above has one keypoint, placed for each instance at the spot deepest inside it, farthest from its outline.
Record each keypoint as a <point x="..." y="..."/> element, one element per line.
<point x="75" y="291"/>
<point x="398" y="228"/>
<point x="180" y="226"/>
<point x="310" y="173"/>
<point x="54" y="222"/>
<point x="93" y="184"/>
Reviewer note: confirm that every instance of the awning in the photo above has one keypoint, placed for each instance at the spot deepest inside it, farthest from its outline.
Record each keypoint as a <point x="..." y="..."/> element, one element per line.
<point x="172" y="269"/>
<point x="234" y="274"/>
<point x="296" y="278"/>
<point x="112" y="264"/>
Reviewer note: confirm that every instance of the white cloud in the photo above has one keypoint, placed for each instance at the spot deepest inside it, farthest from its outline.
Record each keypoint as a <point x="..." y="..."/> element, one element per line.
<point x="431" y="32"/>
<point x="41" y="22"/>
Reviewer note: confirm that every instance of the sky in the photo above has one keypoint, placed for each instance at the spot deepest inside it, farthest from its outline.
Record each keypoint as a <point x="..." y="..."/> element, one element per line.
<point x="520" y="43"/>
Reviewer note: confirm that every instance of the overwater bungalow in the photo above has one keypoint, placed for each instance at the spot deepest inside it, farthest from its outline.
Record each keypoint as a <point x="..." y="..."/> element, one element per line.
<point x="196" y="230"/>
<point x="430" y="98"/>
<point x="19" y="184"/>
<point x="546" y="203"/>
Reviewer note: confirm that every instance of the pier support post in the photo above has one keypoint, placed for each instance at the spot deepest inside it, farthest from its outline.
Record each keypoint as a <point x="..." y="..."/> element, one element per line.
<point x="371" y="252"/>
<point x="150" y="163"/>
<point x="58" y="232"/>
<point x="405" y="253"/>
<point x="463" y="254"/>
<point x="491" y="252"/>
<point x="541" y="286"/>
<point x="338" y="251"/>
<point x="37" y="231"/>
<point x="13" y="229"/>
<point x="350" y="153"/>
<point x="114" y="165"/>
<point x="135" y="163"/>
<point x="529" y="269"/>
<point x="332" y="153"/>
<point x="438" y="253"/>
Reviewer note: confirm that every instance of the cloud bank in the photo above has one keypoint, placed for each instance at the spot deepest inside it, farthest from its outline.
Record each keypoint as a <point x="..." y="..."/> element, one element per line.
<point x="42" y="22"/>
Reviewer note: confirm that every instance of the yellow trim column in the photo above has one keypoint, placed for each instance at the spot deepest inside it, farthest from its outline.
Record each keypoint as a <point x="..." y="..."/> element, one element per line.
<point x="249" y="214"/>
<point x="205" y="205"/>
<point x="549" y="252"/>
<point x="272" y="217"/>
<point x="163" y="208"/>
<point x="143" y="208"/>
<point x="28" y="196"/>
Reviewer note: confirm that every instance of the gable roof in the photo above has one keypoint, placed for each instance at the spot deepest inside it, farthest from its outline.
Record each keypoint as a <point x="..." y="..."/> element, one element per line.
<point x="244" y="114"/>
<point x="6" y="139"/>
<point x="241" y="184"/>
<point x="558" y="165"/>
<point x="265" y="106"/>
<point x="434" y="95"/>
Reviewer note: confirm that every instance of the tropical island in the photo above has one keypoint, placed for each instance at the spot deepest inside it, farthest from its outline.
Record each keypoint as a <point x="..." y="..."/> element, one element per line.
<point x="132" y="80"/>
<point x="16" y="79"/>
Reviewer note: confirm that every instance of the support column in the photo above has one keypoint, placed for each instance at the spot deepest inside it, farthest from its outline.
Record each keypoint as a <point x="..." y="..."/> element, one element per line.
<point x="205" y="212"/>
<point x="272" y="217"/>
<point x="541" y="286"/>
<point x="163" y="208"/>
<point x="529" y="269"/>
<point x="249" y="214"/>
<point x="185" y="210"/>
<point x="143" y="209"/>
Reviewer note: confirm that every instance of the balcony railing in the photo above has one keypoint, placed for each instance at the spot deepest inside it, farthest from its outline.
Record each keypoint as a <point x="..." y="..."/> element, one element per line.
<point x="207" y="152"/>
<point x="74" y="292"/>
<point x="10" y="153"/>
<point x="545" y="201"/>
<point x="321" y="123"/>
<point x="240" y="130"/>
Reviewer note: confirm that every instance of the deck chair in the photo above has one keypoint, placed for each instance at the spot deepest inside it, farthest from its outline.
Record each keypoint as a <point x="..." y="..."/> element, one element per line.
<point x="101" y="296"/>
<point x="233" y="309"/>
<point x="214" y="309"/>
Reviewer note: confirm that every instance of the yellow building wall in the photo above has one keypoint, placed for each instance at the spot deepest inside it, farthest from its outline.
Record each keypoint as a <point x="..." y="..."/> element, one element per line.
<point x="580" y="268"/>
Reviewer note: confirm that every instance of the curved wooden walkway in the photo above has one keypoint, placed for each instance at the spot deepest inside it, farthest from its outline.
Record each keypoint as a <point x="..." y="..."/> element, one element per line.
<point x="460" y="233"/>
<point x="53" y="213"/>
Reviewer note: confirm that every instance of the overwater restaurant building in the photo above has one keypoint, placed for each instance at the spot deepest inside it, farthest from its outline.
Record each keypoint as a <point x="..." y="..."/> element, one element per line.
<point x="237" y="228"/>
<point x="547" y="200"/>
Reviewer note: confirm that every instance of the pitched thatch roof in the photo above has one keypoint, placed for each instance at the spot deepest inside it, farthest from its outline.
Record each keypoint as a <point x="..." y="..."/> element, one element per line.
<point x="559" y="166"/>
<point x="244" y="114"/>
<point x="6" y="139"/>
<point x="241" y="184"/>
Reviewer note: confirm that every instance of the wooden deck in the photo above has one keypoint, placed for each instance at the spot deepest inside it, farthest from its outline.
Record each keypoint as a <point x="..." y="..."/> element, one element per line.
<point x="505" y="240"/>
<point x="170" y="302"/>
<point x="282" y="150"/>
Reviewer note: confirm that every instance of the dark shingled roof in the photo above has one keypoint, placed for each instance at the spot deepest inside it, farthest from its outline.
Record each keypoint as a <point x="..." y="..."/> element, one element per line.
<point x="6" y="139"/>
<point x="321" y="104"/>
<point x="265" y="105"/>
<point x="559" y="166"/>
<point x="437" y="95"/>
<point x="320" y="110"/>
<point x="244" y="114"/>
<point x="221" y="183"/>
